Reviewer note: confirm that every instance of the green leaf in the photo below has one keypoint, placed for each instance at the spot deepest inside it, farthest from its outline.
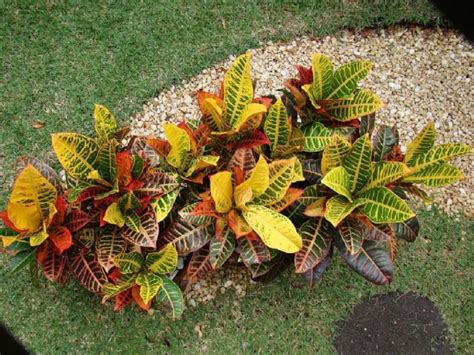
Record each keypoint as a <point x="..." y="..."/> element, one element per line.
<point x="163" y="261"/>
<point x="316" y="137"/>
<point x="132" y="221"/>
<point x="316" y="234"/>
<point x="147" y="233"/>
<point x="22" y="259"/>
<point x="149" y="284"/>
<point x="383" y="140"/>
<point x="436" y="175"/>
<point x="383" y="206"/>
<point x="373" y="261"/>
<point x="106" y="160"/>
<point x="358" y="163"/>
<point x="129" y="202"/>
<point x="322" y="69"/>
<point x="221" y="249"/>
<point x="339" y="181"/>
<point x="170" y="294"/>
<point x="407" y="230"/>
<point x="276" y="126"/>
<point x="129" y="263"/>
<point x="362" y="103"/>
<point x="347" y="76"/>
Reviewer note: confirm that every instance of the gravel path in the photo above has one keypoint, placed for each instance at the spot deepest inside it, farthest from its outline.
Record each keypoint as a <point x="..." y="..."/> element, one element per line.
<point x="421" y="75"/>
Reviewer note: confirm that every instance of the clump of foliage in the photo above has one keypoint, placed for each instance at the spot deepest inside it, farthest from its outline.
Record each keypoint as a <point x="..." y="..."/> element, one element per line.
<point x="269" y="181"/>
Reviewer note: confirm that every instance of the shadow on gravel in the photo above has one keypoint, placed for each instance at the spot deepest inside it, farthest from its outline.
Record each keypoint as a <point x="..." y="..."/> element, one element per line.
<point x="394" y="323"/>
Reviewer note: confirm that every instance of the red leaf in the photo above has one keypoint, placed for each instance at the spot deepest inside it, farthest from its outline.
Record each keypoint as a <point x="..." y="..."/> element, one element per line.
<point x="61" y="238"/>
<point x="76" y="220"/>
<point x="52" y="263"/>
<point x="251" y="140"/>
<point x="61" y="206"/>
<point x="266" y="101"/>
<point x="114" y="275"/>
<point x="305" y="75"/>
<point x="199" y="266"/>
<point x="160" y="146"/>
<point x="89" y="193"/>
<point x="201" y="134"/>
<point x="124" y="167"/>
<point x="123" y="299"/>
<point x="87" y="271"/>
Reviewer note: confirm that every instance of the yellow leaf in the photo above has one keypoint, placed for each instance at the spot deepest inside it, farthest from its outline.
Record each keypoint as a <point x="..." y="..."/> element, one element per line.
<point x="334" y="153"/>
<point x="39" y="237"/>
<point x="238" y="89"/>
<point x="258" y="180"/>
<point x="275" y="229"/>
<point x="95" y="176"/>
<point x="163" y="261"/>
<point x="222" y="191"/>
<point x="249" y="118"/>
<point x="114" y="215"/>
<point x="316" y="209"/>
<point x="32" y="200"/>
<point x="307" y="89"/>
<point x="180" y="144"/>
<point x="339" y="181"/>
<point x="242" y="196"/>
<point x="105" y="123"/>
<point x="149" y="284"/>
<point x="77" y="153"/>
<point x="215" y="112"/>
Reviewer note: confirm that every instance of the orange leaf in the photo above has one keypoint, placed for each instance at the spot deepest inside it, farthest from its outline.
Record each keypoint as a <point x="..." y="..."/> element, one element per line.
<point x="160" y="146"/>
<point x="138" y="299"/>
<point x="123" y="299"/>
<point x="61" y="238"/>
<point x="238" y="224"/>
<point x="204" y="208"/>
<point x="124" y="168"/>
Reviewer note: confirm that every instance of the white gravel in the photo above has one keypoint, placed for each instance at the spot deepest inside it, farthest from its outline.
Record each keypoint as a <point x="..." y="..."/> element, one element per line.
<point x="421" y="75"/>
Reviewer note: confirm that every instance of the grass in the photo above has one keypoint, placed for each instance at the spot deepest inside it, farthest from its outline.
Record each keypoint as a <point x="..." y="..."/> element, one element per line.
<point x="280" y="317"/>
<point x="58" y="59"/>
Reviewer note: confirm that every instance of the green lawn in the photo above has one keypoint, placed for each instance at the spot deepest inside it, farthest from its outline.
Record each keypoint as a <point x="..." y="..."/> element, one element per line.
<point x="279" y="317"/>
<point x="58" y="60"/>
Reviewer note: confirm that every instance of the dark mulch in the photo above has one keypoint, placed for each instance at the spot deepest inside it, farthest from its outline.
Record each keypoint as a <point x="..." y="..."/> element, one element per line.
<point x="393" y="323"/>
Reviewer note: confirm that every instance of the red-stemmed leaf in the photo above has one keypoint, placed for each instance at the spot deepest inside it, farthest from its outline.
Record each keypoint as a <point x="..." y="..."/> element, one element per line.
<point x="243" y="158"/>
<point x="123" y="160"/>
<point x="76" y="219"/>
<point x="252" y="250"/>
<point x="108" y="245"/>
<point x="156" y="184"/>
<point x="148" y="231"/>
<point x="314" y="275"/>
<point x="252" y="139"/>
<point x="199" y="266"/>
<point x="87" y="271"/>
<point x="407" y="230"/>
<point x="123" y="299"/>
<point x="316" y="234"/>
<point x="52" y="264"/>
<point x="186" y="237"/>
<point x="204" y="208"/>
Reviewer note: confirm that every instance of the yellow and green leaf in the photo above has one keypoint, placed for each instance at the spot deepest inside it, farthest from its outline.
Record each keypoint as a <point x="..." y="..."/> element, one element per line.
<point x="238" y="89"/>
<point x="257" y="181"/>
<point x="180" y="144"/>
<point x="250" y="117"/>
<point x="170" y="293"/>
<point x="358" y="163"/>
<point x="275" y="229"/>
<point x="338" y="208"/>
<point x="213" y="114"/>
<point x="104" y="122"/>
<point x="334" y="153"/>
<point x="222" y="191"/>
<point x="346" y="78"/>
<point x="149" y="284"/>
<point x="362" y="103"/>
<point x="385" y="172"/>
<point x="132" y="221"/>
<point x="114" y="215"/>
<point x="316" y="137"/>
<point x="77" y="154"/>
<point x="31" y="201"/>
<point x="436" y="175"/>
<point x="339" y="181"/>
<point x="163" y="261"/>
<point x="322" y="69"/>
<point x="383" y="206"/>
<point x="277" y="127"/>
<point x="422" y="143"/>
<point x="163" y="204"/>
<point x="129" y="263"/>
<point x="438" y="154"/>
<point x="123" y="283"/>
<point x="280" y="178"/>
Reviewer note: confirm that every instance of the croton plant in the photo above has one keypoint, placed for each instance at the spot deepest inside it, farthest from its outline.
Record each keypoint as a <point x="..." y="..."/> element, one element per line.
<point x="266" y="181"/>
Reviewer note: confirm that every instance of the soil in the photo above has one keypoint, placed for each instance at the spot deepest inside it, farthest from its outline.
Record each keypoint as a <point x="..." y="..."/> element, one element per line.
<point x="394" y="323"/>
